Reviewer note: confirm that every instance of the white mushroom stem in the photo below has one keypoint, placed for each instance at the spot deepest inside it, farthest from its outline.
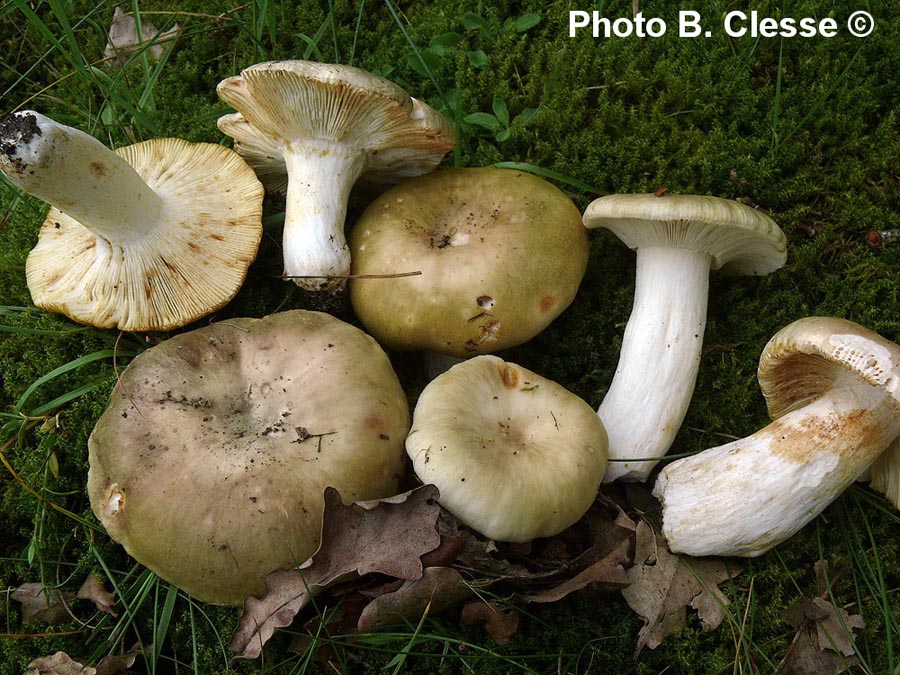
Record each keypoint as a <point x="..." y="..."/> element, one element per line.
<point x="320" y="177"/>
<point x="81" y="177"/>
<point x="746" y="497"/>
<point x="658" y="363"/>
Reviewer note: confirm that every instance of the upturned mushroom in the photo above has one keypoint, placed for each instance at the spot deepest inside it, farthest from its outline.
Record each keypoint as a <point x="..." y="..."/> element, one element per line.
<point x="210" y="464"/>
<point x="147" y="237"/>
<point x="327" y="125"/>
<point x="832" y="388"/>
<point x="514" y="455"/>
<point x="678" y="239"/>
<point x="498" y="253"/>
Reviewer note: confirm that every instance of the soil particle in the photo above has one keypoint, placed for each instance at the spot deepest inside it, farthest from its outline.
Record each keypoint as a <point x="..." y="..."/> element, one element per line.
<point x="15" y="131"/>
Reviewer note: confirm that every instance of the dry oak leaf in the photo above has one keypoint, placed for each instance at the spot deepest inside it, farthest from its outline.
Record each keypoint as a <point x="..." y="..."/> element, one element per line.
<point x="602" y="566"/>
<point x="823" y="644"/>
<point x="58" y="664"/>
<point x="113" y="664"/>
<point x="606" y="574"/>
<point x="438" y="589"/>
<point x="124" y="40"/>
<point x="42" y="604"/>
<point x="386" y="536"/>
<point x="500" y="622"/>
<point x="92" y="589"/>
<point x="663" y="585"/>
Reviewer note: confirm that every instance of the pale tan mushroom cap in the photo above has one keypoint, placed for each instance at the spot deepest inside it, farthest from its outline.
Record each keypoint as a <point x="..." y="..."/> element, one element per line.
<point x="191" y="264"/>
<point x="514" y="455"/>
<point x="210" y="463"/>
<point x="739" y="239"/>
<point x="283" y="103"/>
<point x="261" y="152"/>
<point x="501" y="254"/>
<point x="802" y="360"/>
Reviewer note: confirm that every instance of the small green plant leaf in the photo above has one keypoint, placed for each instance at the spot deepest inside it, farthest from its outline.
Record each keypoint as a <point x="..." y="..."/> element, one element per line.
<point x="472" y="21"/>
<point x="383" y="71"/>
<point x="485" y="120"/>
<point x="440" y="44"/>
<point x="549" y="174"/>
<point x="504" y="135"/>
<point x="425" y="62"/>
<point x="477" y="58"/>
<point x="312" y="47"/>
<point x="449" y="103"/>
<point x="526" y="115"/>
<point x="498" y="105"/>
<point x="53" y="464"/>
<point x="526" y="22"/>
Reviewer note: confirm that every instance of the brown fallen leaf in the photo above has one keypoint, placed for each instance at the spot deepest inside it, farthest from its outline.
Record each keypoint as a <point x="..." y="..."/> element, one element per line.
<point x="113" y="664"/>
<point x="42" y="604"/>
<point x="58" y="664"/>
<point x="606" y="574"/>
<point x="438" y="589"/>
<point x="92" y="589"/>
<point x="124" y="40"/>
<point x="823" y="644"/>
<point x="500" y="622"/>
<point x="663" y="585"/>
<point x="387" y="536"/>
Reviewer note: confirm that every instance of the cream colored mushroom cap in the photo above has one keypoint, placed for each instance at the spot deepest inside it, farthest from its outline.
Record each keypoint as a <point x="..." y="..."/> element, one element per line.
<point x="739" y="239"/>
<point x="192" y="263"/>
<point x="283" y="103"/>
<point x="514" y="455"/>
<point x="803" y="359"/>
<point x="210" y="463"/>
<point x="501" y="255"/>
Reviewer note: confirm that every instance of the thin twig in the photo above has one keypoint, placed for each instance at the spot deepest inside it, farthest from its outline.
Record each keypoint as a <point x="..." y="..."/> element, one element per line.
<point x="396" y="275"/>
<point x="119" y="377"/>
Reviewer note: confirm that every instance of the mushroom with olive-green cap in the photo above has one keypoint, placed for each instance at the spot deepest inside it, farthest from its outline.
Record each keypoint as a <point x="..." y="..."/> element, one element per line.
<point x="515" y="456"/>
<point x="497" y="254"/>
<point x="325" y="126"/>
<point x="832" y="388"/>
<point x="210" y="464"/>
<point x="150" y="236"/>
<point x="678" y="239"/>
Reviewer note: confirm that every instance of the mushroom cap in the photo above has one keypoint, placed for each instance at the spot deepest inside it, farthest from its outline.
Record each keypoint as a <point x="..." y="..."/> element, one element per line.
<point x="514" y="455"/>
<point x="191" y="264"/>
<point x="739" y="239"/>
<point x="501" y="254"/>
<point x="803" y="359"/>
<point x="210" y="463"/>
<point x="283" y="103"/>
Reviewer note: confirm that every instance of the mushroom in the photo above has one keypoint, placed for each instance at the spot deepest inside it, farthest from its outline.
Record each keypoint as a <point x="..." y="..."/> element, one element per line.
<point x="210" y="464"/>
<point x="832" y="388"/>
<point x="514" y="455"/>
<point x="678" y="239"/>
<point x="147" y="237"/>
<point x="327" y="125"/>
<point x="886" y="473"/>
<point x="500" y="253"/>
